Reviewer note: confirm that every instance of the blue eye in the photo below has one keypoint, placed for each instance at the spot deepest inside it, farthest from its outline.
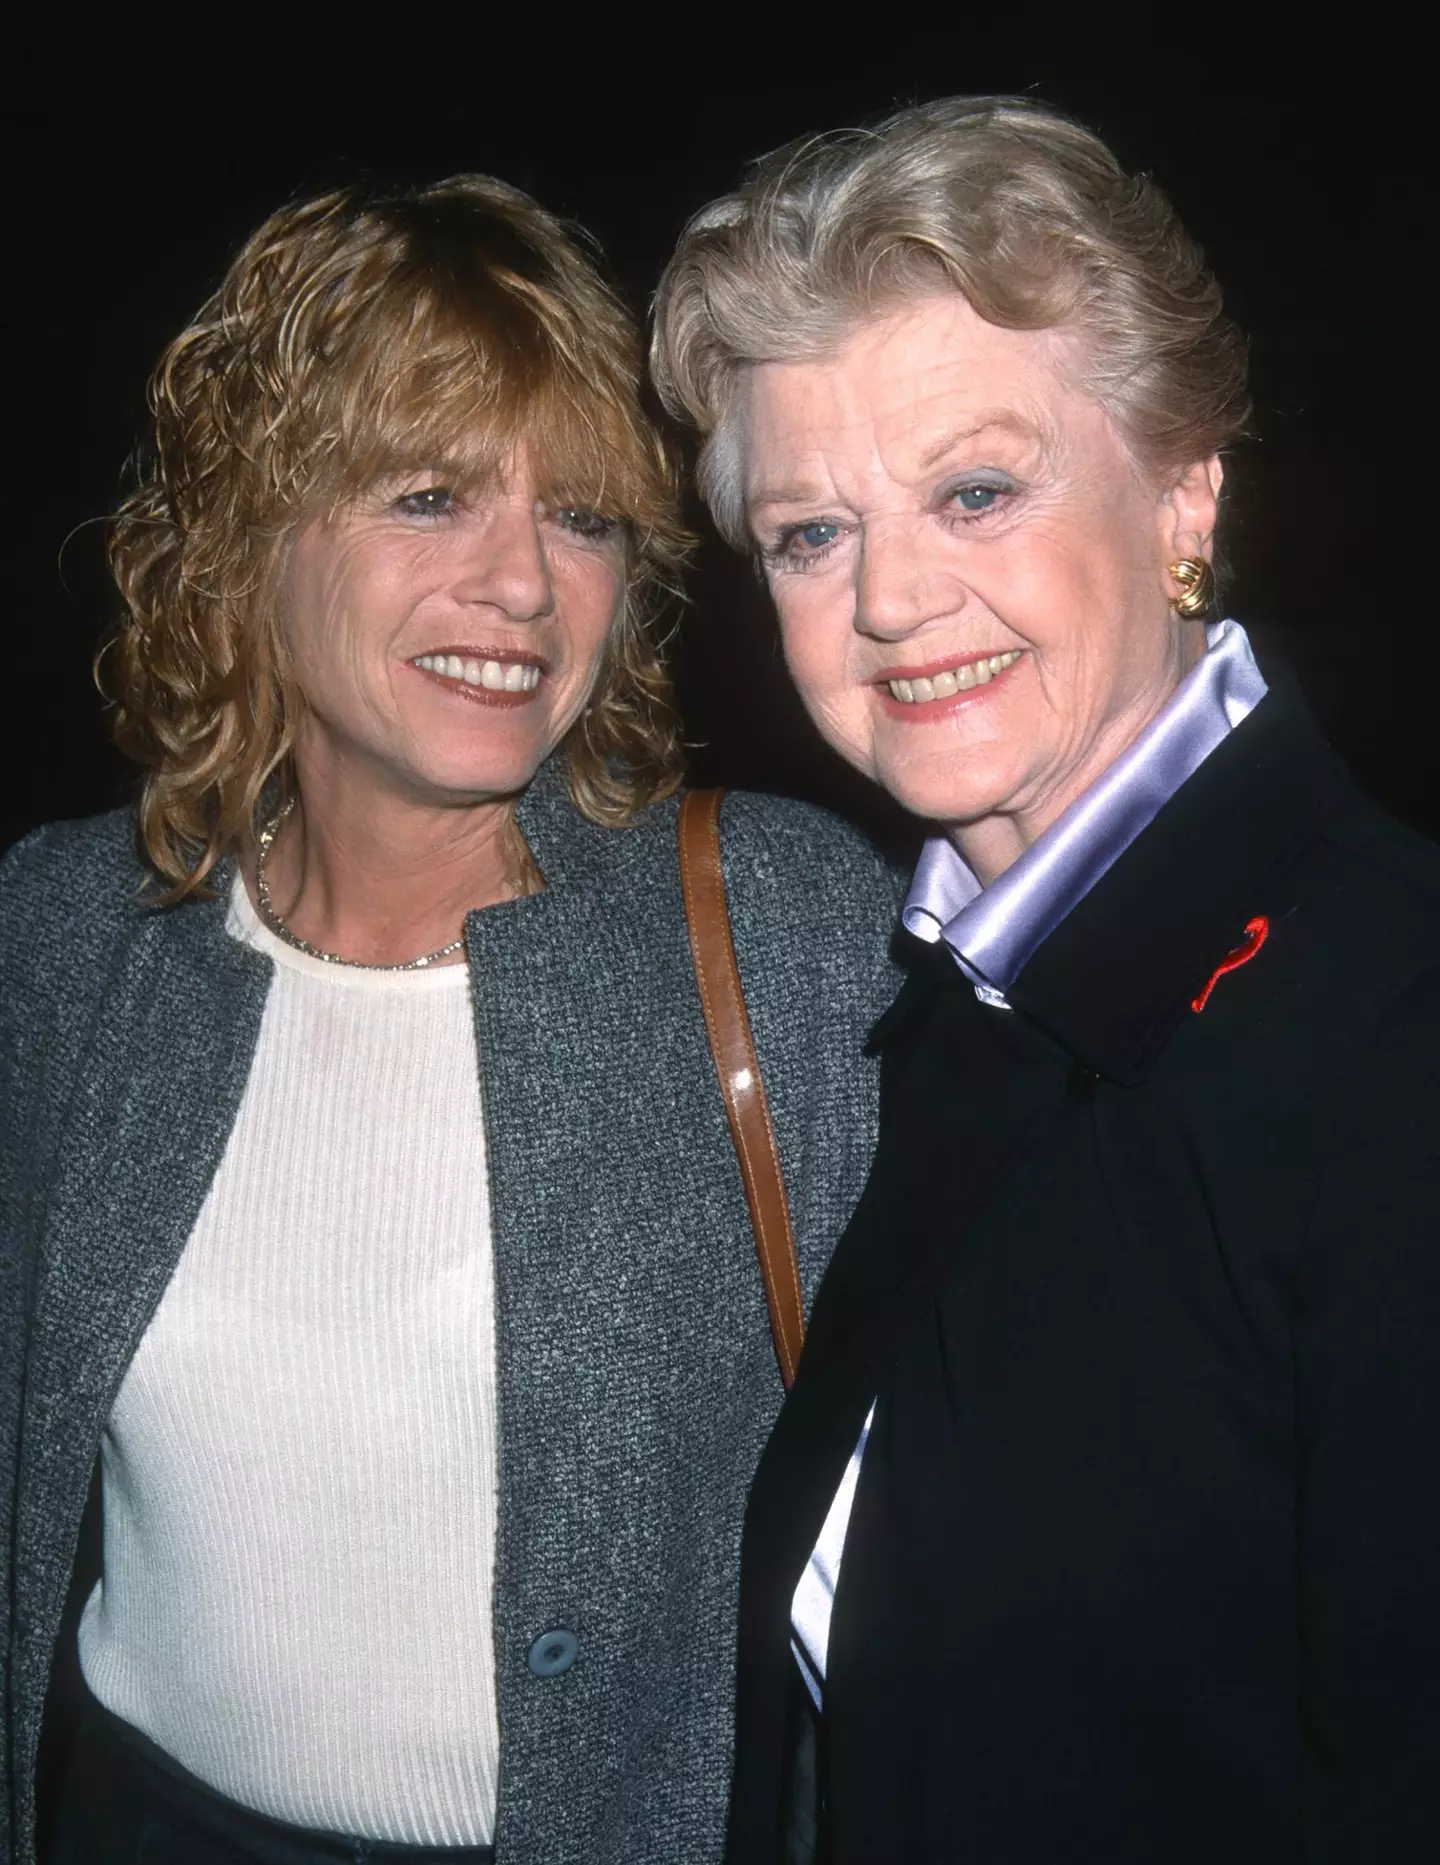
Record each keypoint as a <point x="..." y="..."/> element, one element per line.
<point x="429" y="502"/>
<point x="799" y="547"/>
<point x="976" y="498"/>
<point x="587" y="524"/>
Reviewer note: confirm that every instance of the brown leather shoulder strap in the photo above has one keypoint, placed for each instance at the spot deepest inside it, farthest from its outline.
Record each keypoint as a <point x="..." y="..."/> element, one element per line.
<point x="736" y="1064"/>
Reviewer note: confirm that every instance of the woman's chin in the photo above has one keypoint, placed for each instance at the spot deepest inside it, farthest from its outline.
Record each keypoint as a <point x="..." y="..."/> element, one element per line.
<point x="463" y="786"/>
<point x="469" y="766"/>
<point x="437" y="783"/>
<point x="947" y="795"/>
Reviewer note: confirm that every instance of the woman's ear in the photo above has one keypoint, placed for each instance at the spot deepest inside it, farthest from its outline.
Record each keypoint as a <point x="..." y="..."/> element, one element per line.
<point x="1190" y="508"/>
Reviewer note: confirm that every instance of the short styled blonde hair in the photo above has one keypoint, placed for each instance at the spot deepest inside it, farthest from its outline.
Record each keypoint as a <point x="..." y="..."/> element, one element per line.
<point x="1024" y="211"/>
<point x="354" y="336"/>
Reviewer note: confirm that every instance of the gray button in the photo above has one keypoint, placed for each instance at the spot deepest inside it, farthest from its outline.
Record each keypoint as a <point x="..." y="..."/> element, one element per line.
<point x="553" y="1652"/>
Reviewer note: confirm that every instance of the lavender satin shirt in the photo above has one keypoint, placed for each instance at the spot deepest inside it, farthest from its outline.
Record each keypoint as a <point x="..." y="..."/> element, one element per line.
<point x="992" y="932"/>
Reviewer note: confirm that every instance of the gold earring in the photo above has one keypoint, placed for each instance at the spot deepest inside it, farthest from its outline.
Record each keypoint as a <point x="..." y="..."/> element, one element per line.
<point x="1197" y="587"/>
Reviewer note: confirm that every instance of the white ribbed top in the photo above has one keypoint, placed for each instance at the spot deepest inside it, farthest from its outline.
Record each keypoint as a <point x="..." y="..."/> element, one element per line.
<point x="299" y="1469"/>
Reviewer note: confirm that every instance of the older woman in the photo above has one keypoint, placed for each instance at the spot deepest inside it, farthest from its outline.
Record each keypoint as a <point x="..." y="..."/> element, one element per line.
<point x="1103" y="1521"/>
<point x="368" y="1206"/>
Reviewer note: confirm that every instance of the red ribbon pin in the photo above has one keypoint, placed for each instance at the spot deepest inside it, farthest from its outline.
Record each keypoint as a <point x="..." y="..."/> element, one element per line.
<point x="1257" y="931"/>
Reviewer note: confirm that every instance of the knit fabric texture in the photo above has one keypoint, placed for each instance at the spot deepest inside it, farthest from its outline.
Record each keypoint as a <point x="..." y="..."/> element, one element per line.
<point x="636" y="1377"/>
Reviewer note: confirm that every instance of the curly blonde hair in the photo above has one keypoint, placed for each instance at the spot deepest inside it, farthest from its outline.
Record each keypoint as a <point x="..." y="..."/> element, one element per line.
<point x="354" y="336"/>
<point x="1024" y="211"/>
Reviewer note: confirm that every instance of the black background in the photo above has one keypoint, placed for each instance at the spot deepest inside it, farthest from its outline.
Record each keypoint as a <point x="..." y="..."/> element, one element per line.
<point x="133" y="176"/>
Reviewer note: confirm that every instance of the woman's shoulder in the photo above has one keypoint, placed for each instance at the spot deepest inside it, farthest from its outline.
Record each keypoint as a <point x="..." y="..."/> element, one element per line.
<point x="781" y="829"/>
<point x="1377" y="903"/>
<point x="777" y="844"/>
<point x="796" y="874"/>
<point x="66" y="880"/>
<point x="1396" y="859"/>
<point x="1351" y="963"/>
<point x="766" y="842"/>
<point x="73" y="857"/>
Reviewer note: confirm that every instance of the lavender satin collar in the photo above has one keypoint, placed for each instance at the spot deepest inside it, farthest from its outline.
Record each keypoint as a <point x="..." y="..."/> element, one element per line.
<point x="993" y="931"/>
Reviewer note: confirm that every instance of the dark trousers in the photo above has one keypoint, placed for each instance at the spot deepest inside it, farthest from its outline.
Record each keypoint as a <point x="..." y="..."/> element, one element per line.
<point x="125" y="1802"/>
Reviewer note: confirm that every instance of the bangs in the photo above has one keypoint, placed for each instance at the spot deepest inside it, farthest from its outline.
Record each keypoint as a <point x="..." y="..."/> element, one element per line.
<point x="460" y="380"/>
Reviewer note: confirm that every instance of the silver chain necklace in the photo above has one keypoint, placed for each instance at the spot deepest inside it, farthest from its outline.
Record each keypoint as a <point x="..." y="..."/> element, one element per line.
<point x="281" y="931"/>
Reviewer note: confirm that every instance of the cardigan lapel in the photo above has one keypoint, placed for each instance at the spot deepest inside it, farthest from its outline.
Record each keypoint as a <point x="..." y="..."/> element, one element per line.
<point x="156" y="1099"/>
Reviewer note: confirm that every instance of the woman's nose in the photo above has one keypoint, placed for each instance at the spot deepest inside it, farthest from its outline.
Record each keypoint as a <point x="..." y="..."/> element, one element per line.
<point x="899" y="588"/>
<point x="503" y="565"/>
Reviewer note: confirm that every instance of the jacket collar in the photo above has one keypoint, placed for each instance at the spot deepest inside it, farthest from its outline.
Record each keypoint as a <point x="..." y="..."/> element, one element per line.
<point x="1116" y="977"/>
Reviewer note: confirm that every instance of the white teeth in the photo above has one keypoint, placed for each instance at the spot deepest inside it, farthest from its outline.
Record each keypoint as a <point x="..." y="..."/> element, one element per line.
<point x="496" y="676"/>
<point x="953" y="679"/>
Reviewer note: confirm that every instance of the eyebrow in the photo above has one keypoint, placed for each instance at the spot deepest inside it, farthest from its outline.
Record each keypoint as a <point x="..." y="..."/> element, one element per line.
<point x="1000" y="421"/>
<point x="1003" y="422"/>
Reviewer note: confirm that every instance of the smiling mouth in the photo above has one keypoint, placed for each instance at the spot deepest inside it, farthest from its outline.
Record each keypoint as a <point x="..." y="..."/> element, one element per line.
<point x="951" y="680"/>
<point x="494" y="676"/>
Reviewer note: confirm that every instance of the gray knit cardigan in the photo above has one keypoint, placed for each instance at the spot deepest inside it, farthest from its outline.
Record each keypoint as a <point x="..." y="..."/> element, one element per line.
<point x="635" y="1369"/>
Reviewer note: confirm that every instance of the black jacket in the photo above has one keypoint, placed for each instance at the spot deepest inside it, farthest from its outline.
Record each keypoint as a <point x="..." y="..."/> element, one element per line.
<point x="1144" y="1564"/>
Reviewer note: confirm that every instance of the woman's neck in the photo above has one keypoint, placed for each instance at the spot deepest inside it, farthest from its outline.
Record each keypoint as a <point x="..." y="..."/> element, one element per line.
<point x="993" y="843"/>
<point x="381" y="879"/>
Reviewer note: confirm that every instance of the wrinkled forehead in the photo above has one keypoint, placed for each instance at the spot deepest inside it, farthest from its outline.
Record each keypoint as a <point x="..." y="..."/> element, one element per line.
<point x="905" y="390"/>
